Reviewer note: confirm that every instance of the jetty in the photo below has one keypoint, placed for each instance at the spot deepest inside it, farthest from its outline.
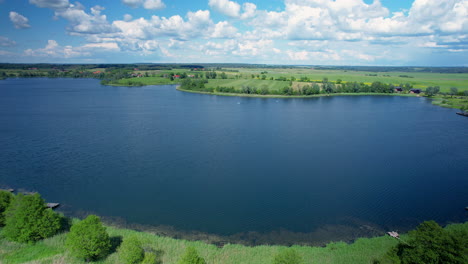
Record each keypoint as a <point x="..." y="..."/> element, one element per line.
<point x="394" y="234"/>
<point x="52" y="205"/>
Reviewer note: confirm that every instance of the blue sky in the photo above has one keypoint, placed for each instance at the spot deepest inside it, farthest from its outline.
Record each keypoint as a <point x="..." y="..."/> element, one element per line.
<point x="302" y="32"/>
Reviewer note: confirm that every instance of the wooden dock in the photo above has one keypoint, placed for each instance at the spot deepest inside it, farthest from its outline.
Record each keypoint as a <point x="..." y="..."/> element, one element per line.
<point x="52" y="205"/>
<point x="394" y="234"/>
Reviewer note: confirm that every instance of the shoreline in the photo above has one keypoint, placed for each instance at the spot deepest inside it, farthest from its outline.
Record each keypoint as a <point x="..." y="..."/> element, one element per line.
<point x="293" y="96"/>
<point x="436" y="100"/>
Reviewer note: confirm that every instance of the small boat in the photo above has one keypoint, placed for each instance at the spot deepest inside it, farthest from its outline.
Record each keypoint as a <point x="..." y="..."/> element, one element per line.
<point x="462" y="114"/>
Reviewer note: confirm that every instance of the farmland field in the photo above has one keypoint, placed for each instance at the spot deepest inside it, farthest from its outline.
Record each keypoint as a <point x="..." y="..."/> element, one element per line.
<point x="417" y="79"/>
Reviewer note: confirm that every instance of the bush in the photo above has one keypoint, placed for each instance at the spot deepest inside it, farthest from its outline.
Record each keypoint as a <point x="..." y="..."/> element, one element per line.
<point x="5" y="200"/>
<point x="191" y="257"/>
<point x="131" y="252"/>
<point x="288" y="256"/>
<point x="430" y="243"/>
<point x="27" y="219"/>
<point x="88" y="239"/>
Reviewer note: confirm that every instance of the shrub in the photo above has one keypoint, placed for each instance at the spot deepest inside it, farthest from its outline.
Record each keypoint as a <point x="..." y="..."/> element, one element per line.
<point x="5" y="200"/>
<point x="88" y="239"/>
<point x="27" y="219"/>
<point x="288" y="256"/>
<point x="191" y="257"/>
<point x="430" y="243"/>
<point x="131" y="252"/>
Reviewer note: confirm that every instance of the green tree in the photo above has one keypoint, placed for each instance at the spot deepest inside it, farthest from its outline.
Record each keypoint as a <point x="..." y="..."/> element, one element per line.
<point x="288" y="256"/>
<point x="453" y="91"/>
<point x="431" y="91"/>
<point x="431" y="244"/>
<point x="131" y="251"/>
<point x="27" y="219"/>
<point x="463" y="108"/>
<point x="191" y="257"/>
<point x="88" y="239"/>
<point x="5" y="200"/>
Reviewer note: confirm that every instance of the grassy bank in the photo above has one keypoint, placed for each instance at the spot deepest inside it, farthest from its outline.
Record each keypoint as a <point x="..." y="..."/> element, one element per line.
<point x="169" y="250"/>
<point x="457" y="102"/>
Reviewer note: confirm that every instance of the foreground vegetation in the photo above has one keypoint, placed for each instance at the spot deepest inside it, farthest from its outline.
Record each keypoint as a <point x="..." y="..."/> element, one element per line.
<point x="88" y="240"/>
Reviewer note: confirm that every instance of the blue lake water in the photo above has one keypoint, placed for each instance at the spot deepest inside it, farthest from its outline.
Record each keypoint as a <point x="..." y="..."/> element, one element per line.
<point x="226" y="165"/>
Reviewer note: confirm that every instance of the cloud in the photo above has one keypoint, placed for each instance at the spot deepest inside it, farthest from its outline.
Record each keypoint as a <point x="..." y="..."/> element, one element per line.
<point x="198" y="24"/>
<point x="6" y="42"/>
<point x="147" y="4"/>
<point x="224" y="29"/>
<point x="19" y="21"/>
<point x="84" y="23"/>
<point x="53" y="4"/>
<point x="303" y="31"/>
<point x="54" y="50"/>
<point x="154" y="4"/>
<point x="106" y="46"/>
<point x="249" y="10"/>
<point x="226" y="7"/>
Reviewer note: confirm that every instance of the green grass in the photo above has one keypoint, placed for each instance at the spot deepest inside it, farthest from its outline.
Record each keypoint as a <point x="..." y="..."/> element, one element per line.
<point x="451" y="101"/>
<point x="45" y="250"/>
<point x="238" y="83"/>
<point x="169" y="250"/>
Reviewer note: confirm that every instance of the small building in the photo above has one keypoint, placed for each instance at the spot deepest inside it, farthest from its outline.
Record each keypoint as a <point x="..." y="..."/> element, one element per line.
<point x="398" y="89"/>
<point x="176" y="76"/>
<point x="415" y="91"/>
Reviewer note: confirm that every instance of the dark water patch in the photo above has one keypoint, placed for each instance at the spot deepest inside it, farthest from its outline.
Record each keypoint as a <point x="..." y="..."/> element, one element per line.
<point x="228" y="166"/>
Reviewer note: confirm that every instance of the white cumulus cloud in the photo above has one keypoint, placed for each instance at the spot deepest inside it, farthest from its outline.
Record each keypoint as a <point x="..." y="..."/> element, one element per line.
<point x="53" y="4"/>
<point x="54" y="50"/>
<point x="226" y="7"/>
<point x="6" y="42"/>
<point x="147" y="4"/>
<point x="19" y="21"/>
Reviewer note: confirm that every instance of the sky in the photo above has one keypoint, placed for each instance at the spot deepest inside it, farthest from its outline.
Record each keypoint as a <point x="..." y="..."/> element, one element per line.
<point x="292" y="32"/>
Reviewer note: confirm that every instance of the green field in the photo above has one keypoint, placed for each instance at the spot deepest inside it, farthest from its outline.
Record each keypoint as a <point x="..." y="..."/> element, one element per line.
<point x="238" y="83"/>
<point x="238" y="77"/>
<point x="419" y="80"/>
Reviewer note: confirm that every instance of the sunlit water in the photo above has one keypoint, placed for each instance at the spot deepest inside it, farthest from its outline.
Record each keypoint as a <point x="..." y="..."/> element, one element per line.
<point x="224" y="165"/>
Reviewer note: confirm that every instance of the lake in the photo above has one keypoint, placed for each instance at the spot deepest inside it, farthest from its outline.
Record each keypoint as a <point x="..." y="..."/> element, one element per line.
<point x="314" y="169"/>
